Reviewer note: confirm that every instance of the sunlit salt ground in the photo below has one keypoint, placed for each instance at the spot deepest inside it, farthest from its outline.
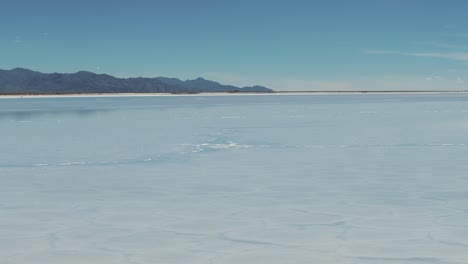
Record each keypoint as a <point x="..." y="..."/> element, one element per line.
<point x="303" y="179"/>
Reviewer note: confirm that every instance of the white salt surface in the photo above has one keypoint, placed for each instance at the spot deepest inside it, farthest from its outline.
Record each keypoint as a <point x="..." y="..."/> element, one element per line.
<point x="235" y="179"/>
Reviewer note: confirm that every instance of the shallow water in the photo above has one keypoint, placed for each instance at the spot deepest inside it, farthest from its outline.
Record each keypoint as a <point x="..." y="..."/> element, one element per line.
<point x="365" y="178"/>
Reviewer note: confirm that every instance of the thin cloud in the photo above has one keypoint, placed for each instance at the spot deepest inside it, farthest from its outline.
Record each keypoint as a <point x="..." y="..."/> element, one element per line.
<point x="434" y="78"/>
<point x="456" y="34"/>
<point x="443" y="45"/>
<point x="460" y="56"/>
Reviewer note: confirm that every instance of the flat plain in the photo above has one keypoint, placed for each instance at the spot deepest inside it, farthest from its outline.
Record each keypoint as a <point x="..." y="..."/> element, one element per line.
<point x="324" y="178"/>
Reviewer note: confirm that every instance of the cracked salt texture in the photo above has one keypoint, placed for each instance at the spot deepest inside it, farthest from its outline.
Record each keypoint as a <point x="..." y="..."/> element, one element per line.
<point x="356" y="179"/>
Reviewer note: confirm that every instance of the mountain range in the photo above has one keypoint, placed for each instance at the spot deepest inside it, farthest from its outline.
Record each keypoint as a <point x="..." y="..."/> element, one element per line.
<point x="24" y="81"/>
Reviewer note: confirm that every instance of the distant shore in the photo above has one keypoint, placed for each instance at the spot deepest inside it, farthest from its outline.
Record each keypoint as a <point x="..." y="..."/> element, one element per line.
<point x="6" y="96"/>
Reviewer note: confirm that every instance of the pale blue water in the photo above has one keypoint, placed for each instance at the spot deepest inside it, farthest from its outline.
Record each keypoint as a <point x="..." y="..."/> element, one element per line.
<point x="352" y="179"/>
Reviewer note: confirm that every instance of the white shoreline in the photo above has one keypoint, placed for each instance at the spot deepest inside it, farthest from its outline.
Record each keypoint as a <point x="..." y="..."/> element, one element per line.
<point x="18" y="96"/>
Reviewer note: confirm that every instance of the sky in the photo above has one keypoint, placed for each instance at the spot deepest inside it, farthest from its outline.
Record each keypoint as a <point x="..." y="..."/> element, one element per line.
<point x="285" y="45"/>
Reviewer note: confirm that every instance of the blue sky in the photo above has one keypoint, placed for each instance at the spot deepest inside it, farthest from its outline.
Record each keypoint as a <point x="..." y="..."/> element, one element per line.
<point x="287" y="45"/>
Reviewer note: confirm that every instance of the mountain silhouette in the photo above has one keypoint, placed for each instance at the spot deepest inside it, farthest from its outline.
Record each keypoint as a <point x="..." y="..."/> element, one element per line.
<point x="24" y="81"/>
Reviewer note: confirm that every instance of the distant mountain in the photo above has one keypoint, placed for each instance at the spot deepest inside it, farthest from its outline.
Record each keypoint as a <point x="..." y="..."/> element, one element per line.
<point x="24" y="81"/>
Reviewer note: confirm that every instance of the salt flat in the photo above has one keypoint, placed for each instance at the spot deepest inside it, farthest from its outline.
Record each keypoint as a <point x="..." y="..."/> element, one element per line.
<point x="356" y="178"/>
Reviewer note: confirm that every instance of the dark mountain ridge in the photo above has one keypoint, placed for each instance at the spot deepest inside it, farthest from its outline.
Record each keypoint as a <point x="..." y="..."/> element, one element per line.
<point x="24" y="81"/>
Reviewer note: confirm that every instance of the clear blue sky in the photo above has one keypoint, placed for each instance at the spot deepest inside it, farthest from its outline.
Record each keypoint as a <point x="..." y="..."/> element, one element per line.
<point x="290" y="44"/>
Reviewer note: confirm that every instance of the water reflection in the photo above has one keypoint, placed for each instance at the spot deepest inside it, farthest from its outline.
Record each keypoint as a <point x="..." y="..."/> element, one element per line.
<point x="29" y="108"/>
<point x="19" y="115"/>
